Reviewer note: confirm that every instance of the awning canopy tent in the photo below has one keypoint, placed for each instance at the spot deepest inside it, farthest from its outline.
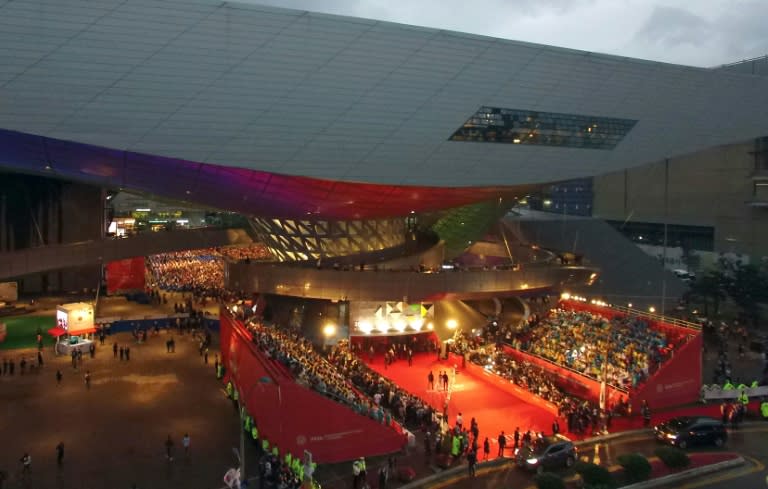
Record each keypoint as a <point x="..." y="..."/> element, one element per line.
<point x="57" y="331"/>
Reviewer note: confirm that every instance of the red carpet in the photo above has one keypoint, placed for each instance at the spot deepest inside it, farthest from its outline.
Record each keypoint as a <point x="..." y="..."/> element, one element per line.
<point x="494" y="410"/>
<point x="497" y="410"/>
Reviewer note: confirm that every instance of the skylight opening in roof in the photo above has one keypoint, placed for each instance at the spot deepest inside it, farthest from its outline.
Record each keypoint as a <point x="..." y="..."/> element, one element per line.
<point x="514" y="126"/>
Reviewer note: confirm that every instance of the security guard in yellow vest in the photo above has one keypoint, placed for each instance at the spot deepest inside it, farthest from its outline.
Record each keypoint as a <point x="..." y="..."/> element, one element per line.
<point x="764" y="408"/>
<point x="265" y="445"/>
<point x="254" y="432"/>
<point x="744" y="399"/>
<point x="228" y="389"/>
<point x="728" y="386"/>
<point x="288" y="459"/>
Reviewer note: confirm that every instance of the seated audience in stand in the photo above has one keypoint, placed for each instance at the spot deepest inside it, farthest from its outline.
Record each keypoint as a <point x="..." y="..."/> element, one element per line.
<point x="625" y="350"/>
<point x="311" y="369"/>
<point x="199" y="271"/>
<point x="408" y="409"/>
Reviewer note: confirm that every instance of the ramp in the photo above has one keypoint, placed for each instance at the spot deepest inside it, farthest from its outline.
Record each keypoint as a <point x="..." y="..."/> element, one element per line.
<point x="627" y="274"/>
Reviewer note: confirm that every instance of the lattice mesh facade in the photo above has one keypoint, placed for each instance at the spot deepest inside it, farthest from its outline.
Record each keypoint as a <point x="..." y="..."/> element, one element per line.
<point x="299" y="240"/>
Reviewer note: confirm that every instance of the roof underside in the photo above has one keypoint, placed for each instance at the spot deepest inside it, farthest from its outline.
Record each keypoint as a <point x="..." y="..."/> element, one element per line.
<point x="340" y="98"/>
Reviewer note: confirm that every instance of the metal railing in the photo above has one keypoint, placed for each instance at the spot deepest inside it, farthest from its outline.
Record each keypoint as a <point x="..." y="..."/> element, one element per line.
<point x="657" y="317"/>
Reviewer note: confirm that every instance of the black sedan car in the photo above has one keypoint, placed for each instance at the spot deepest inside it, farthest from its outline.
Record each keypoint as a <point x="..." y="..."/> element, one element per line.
<point x="684" y="432"/>
<point x="551" y="452"/>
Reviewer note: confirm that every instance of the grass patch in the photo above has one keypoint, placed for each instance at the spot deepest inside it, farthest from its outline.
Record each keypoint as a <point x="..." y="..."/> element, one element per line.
<point x="22" y="331"/>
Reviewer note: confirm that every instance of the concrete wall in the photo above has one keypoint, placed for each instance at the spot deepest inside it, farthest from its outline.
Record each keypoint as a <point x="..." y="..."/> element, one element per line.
<point x="709" y="188"/>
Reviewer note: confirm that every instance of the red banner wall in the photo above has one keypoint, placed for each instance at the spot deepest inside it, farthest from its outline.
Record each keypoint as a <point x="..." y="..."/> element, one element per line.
<point x="677" y="382"/>
<point x="294" y="417"/>
<point x="125" y="275"/>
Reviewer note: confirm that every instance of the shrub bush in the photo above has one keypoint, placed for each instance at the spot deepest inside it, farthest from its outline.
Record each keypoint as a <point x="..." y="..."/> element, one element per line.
<point x="636" y="467"/>
<point x="595" y="476"/>
<point x="674" y="458"/>
<point x="548" y="480"/>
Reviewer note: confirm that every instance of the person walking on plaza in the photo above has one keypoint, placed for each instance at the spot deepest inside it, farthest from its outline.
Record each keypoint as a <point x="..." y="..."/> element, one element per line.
<point x="60" y="453"/>
<point x="472" y="461"/>
<point x="205" y="356"/>
<point x="39" y="342"/>
<point x="516" y="437"/>
<point x="122" y="353"/>
<point x="127" y="353"/>
<point x="185" y="442"/>
<point x="11" y="366"/>
<point x="39" y="359"/>
<point x="357" y="470"/>
<point x="88" y="379"/>
<point x="645" y="411"/>
<point x="26" y="464"/>
<point x="22" y="365"/>
<point x="169" y="449"/>
<point x="58" y="377"/>
<point x="114" y="350"/>
<point x="383" y="476"/>
<point x="92" y="350"/>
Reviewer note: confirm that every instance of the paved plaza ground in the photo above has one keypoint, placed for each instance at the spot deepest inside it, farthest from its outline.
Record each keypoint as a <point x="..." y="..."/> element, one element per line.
<point x="114" y="433"/>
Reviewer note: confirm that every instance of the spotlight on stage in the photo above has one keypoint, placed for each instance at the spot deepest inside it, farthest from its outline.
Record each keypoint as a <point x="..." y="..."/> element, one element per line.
<point x="452" y="324"/>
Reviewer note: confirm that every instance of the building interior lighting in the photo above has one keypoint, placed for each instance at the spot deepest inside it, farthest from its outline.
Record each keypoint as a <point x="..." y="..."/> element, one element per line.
<point x="329" y="330"/>
<point x="365" y="327"/>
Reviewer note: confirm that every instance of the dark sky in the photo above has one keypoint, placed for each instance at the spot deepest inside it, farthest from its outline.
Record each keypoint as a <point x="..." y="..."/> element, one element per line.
<point x="691" y="32"/>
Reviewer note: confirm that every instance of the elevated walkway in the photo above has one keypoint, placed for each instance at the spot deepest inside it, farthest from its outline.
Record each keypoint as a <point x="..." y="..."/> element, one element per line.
<point x="294" y="417"/>
<point x="385" y="285"/>
<point x="627" y="274"/>
<point x="56" y="257"/>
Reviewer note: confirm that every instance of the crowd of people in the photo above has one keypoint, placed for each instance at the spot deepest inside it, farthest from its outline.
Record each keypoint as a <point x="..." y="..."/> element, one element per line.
<point x="410" y="410"/>
<point x="624" y="351"/>
<point x="199" y="271"/>
<point x="310" y="368"/>
<point x="583" y="416"/>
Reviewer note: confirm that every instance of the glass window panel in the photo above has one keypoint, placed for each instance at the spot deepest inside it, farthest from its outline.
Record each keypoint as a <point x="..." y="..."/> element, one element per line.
<point x="514" y="126"/>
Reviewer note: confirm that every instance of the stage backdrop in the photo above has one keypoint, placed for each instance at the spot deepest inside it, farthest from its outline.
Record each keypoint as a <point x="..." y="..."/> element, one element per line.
<point x="125" y="275"/>
<point x="294" y="417"/>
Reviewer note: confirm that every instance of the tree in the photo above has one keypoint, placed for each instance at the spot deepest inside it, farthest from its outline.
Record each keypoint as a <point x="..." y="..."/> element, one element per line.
<point x="747" y="288"/>
<point x="710" y="286"/>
